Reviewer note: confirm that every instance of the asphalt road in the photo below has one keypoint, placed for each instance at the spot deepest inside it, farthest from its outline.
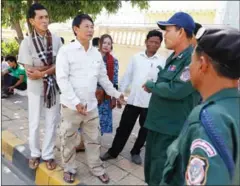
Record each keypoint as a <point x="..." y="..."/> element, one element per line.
<point x="11" y="176"/>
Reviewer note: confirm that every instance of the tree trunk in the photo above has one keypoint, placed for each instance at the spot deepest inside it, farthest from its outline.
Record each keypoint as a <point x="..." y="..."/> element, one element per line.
<point x="29" y="28"/>
<point x="29" y="3"/>
<point x="18" y="29"/>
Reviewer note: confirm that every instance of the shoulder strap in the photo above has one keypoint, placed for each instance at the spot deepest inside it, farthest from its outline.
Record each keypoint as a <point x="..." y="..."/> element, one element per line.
<point x="217" y="141"/>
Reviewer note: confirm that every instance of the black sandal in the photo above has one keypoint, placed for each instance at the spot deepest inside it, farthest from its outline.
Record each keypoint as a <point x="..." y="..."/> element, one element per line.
<point x="70" y="178"/>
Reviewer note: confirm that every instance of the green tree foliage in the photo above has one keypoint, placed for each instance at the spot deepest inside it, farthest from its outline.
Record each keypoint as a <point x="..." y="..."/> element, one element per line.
<point x="14" y="11"/>
<point x="10" y="48"/>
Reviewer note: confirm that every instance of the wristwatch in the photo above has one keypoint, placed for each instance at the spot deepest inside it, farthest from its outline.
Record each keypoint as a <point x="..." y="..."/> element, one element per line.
<point x="45" y="75"/>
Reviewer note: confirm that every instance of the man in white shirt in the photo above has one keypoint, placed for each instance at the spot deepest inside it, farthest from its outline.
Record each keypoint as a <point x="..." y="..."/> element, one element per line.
<point x="143" y="66"/>
<point x="5" y="65"/>
<point x="79" y="67"/>
<point x="38" y="53"/>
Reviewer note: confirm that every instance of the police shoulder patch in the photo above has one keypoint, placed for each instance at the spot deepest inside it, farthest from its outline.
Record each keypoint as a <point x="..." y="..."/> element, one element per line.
<point x="185" y="76"/>
<point x="205" y="146"/>
<point x="197" y="169"/>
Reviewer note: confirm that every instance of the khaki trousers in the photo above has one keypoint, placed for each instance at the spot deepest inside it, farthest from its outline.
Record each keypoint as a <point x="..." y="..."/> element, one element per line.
<point x="70" y="138"/>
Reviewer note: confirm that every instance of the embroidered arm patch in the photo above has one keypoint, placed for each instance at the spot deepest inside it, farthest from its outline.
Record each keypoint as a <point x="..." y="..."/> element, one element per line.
<point x="205" y="146"/>
<point x="197" y="169"/>
<point x="185" y="76"/>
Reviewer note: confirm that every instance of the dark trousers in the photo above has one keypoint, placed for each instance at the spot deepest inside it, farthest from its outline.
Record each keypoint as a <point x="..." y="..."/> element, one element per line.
<point x="156" y="156"/>
<point x="127" y="122"/>
<point x="9" y="81"/>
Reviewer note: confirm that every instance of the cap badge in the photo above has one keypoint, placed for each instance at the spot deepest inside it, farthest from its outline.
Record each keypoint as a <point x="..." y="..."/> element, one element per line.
<point x="200" y="32"/>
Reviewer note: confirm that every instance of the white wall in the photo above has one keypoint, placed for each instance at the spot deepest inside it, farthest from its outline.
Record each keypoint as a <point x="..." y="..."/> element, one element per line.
<point x="228" y="14"/>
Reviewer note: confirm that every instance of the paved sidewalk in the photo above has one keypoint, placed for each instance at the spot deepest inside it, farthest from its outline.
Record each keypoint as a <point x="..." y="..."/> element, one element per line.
<point x="120" y="170"/>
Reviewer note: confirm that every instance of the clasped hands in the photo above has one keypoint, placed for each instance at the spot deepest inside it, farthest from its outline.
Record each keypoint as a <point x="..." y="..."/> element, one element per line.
<point x="34" y="74"/>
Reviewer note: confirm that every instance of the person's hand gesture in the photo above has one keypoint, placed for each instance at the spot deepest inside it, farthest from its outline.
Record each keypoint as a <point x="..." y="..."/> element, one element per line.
<point x="121" y="100"/>
<point x="119" y="105"/>
<point x="146" y="89"/>
<point x="82" y="109"/>
<point x="10" y="89"/>
<point x="34" y="74"/>
<point x="113" y="103"/>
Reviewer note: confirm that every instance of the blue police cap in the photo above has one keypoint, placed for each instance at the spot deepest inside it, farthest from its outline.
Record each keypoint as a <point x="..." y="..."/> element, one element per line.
<point x="180" y="19"/>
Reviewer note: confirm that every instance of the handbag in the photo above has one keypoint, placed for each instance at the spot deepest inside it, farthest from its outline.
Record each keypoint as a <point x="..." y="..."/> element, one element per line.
<point x="100" y="95"/>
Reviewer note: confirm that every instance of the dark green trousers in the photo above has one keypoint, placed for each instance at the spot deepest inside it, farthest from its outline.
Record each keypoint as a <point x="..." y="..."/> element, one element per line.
<point x="156" y="156"/>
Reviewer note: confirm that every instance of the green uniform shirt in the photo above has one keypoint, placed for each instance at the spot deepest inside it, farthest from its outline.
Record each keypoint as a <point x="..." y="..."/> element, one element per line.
<point x="173" y="96"/>
<point x="16" y="72"/>
<point x="192" y="158"/>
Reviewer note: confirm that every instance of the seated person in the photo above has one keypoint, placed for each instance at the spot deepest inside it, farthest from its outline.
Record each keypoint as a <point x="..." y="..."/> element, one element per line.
<point x="17" y="79"/>
<point x="4" y="64"/>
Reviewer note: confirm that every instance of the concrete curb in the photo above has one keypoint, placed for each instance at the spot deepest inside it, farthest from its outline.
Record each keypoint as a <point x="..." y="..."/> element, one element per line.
<point x="18" y="153"/>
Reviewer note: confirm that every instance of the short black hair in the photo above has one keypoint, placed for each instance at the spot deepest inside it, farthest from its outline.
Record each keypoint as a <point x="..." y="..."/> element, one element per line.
<point x="11" y="58"/>
<point x="62" y="39"/>
<point x="78" y="20"/>
<point x="222" y="70"/>
<point x="197" y="27"/>
<point x="95" y="41"/>
<point x="154" y="33"/>
<point x="33" y="7"/>
<point x="188" y="34"/>
<point x="2" y="58"/>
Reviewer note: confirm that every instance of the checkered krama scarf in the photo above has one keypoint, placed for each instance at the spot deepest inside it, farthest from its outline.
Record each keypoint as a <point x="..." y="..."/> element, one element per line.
<point x="46" y="56"/>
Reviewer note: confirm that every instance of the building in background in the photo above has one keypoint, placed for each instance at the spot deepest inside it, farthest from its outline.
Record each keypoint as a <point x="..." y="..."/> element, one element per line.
<point x="129" y="26"/>
<point x="228" y="14"/>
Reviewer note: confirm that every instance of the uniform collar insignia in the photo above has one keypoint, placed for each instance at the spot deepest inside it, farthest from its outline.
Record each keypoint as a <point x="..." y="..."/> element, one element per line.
<point x="180" y="56"/>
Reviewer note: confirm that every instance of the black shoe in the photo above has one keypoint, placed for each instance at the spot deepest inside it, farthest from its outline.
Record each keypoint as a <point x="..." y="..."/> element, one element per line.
<point x="106" y="157"/>
<point x="4" y="95"/>
<point x="136" y="158"/>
